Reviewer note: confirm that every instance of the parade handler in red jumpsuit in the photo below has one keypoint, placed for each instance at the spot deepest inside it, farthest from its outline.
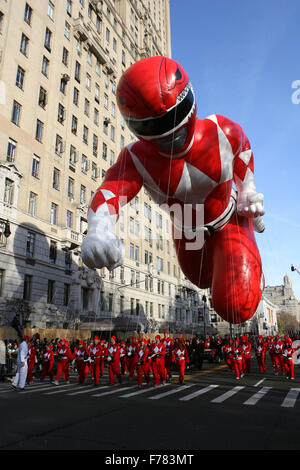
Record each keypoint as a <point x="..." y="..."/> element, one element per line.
<point x="80" y="356"/>
<point x="228" y="353"/>
<point x="48" y="363"/>
<point x="181" y="358"/>
<point x="260" y="352"/>
<point x="157" y="356"/>
<point x="188" y="165"/>
<point x="113" y="360"/>
<point x="31" y="362"/>
<point x="142" y="362"/>
<point x="168" y="342"/>
<point x="288" y="360"/>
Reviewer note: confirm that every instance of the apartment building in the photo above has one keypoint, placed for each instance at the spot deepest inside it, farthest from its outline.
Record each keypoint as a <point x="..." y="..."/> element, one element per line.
<point x="60" y="62"/>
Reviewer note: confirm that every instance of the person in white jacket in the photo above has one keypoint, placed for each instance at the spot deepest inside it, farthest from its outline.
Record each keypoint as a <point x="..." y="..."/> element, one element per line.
<point x="22" y="365"/>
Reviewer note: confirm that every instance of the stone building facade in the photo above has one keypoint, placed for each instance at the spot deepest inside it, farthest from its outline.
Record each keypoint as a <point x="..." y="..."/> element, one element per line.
<point x="60" y="130"/>
<point x="283" y="296"/>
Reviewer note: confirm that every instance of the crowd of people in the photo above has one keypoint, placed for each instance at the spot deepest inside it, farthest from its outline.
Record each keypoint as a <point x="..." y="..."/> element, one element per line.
<point x="143" y="359"/>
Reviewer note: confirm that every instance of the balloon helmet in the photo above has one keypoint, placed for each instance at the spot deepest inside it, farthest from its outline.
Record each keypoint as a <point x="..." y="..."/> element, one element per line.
<point x="158" y="104"/>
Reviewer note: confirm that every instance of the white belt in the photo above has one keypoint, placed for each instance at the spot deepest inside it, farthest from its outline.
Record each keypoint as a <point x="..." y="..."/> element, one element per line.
<point x="216" y="224"/>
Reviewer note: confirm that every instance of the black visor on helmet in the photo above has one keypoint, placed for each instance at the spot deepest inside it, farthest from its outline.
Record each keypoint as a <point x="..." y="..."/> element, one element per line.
<point x="166" y="122"/>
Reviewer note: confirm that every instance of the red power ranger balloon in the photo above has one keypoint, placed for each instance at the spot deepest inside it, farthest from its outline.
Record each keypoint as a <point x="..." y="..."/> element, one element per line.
<point x="188" y="165"/>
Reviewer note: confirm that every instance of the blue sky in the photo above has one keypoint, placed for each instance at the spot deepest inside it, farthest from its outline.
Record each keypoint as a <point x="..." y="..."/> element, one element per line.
<point x="242" y="58"/>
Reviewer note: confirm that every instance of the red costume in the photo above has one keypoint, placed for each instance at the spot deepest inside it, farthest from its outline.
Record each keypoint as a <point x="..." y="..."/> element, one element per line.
<point x="228" y="353"/>
<point x="131" y="349"/>
<point x="95" y="353"/>
<point x="246" y="348"/>
<point x="113" y="360"/>
<point x="181" y="358"/>
<point x="238" y="360"/>
<point x="81" y="355"/>
<point x="123" y="357"/>
<point x="288" y="360"/>
<point x="168" y="342"/>
<point x="277" y="348"/>
<point x="142" y="363"/>
<point x="64" y="355"/>
<point x="48" y="362"/>
<point x="188" y="166"/>
<point x="260" y="352"/>
<point x="31" y="362"/>
<point x="158" y="352"/>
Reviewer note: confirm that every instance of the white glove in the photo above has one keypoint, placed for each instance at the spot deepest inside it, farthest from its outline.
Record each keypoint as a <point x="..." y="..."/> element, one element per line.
<point x="102" y="249"/>
<point x="250" y="204"/>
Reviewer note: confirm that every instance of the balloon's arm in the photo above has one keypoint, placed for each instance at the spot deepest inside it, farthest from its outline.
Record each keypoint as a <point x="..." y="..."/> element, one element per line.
<point x="101" y="247"/>
<point x="250" y="203"/>
<point x="122" y="182"/>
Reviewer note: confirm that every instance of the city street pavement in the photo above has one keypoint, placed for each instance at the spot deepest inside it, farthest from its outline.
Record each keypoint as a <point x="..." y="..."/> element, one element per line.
<point x="212" y="411"/>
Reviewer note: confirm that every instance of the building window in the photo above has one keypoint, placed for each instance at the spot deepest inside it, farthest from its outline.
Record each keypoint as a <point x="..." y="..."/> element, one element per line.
<point x="27" y="287"/>
<point x="66" y="294"/>
<point x="75" y="96"/>
<point x="20" y="77"/>
<point x="112" y="133"/>
<point x="88" y="81"/>
<point x="8" y="191"/>
<point x="69" y="219"/>
<point x="59" y="145"/>
<point x="35" y="166"/>
<point x="65" y="56"/>
<point x="47" y="42"/>
<point x="28" y="14"/>
<point x="67" y="30"/>
<point x="53" y="213"/>
<point x="96" y="116"/>
<point x="50" y="291"/>
<point x="30" y="242"/>
<point x="70" y="187"/>
<point x="32" y="203"/>
<point x="55" y="179"/>
<point x="85" y="134"/>
<point x="39" y="130"/>
<point x="24" y="45"/>
<point x="131" y="306"/>
<point x="86" y="107"/>
<point x="97" y="93"/>
<point x="69" y="7"/>
<point x="63" y="85"/>
<point x="131" y="251"/>
<point x="52" y="252"/>
<point x="11" y="150"/>
<point x="51" y="10"/>
<point x="105" y="101"/>
<point x="104" y="151"/>
<point x="95" y="172"/>
<point x="42" y="97"/>
<point x="89" y="57"/>
<point x="74" y="125"/>
<point x="82" y="194"/>
<point x="1" y="281"/>
<point x="61" y="115"/>
<point x="112" y="158"/>
<point x="16" y="113"/>
<point x="84" y="164"/>
<point x="107" y="34"/>
<point x="77" y="71"/>
<point x="95" y="145"/>
<point x="45" y="66"/>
